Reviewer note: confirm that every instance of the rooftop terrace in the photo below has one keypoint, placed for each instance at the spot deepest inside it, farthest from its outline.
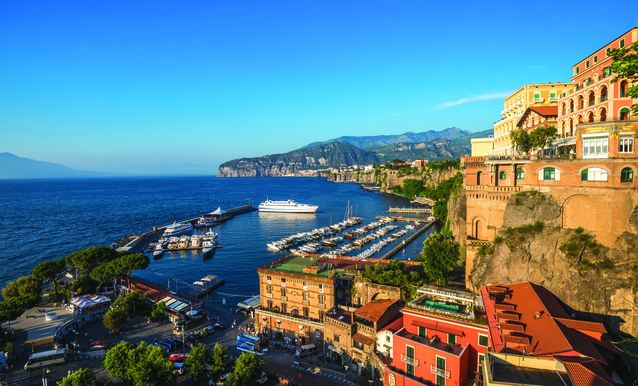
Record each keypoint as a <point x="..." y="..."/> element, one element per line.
<point x="299" y="265"/>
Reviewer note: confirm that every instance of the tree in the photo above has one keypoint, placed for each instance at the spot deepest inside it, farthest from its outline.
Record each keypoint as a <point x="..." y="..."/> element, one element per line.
<point x="89" y="258"/>
<point x="220" y="359"/>
<point x="522" y="140"/>
<point x="440" y="254"/>
<point x="50" y="270"/>
<point x="143" y="365"/>
<point x="129" y="262"/>
<point x="412" y="187"/>
<point x="200" y="357"/>
<point x="248" y="369"/>
<point x="83" y="377"/>
<point x="23" y="286"/>
<point x="543" y="136"/>
<point x="12" y="308"/>
<point x="115" y="318"/>
<point x="107" y="272"/>
<point x="132" y="303"/>
<point x="625" y="66"/>
<point x="159" y="312"/>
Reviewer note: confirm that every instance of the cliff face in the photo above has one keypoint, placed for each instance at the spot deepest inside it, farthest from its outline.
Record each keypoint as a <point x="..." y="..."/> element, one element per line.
<point x="587" y="277"/>
<point x="276" y="165"/>
<point x="457" y="215"/>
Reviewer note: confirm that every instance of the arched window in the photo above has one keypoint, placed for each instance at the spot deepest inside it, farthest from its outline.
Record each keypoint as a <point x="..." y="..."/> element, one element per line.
<point x="627" y="175"/>
<point x="520" y="174"/>
<point x="549" y="174"/>
<point x="502" y="175"/>
<point x="624" y="114"/>
<point x="603" y="94"/>
<point x="593" y="174"/>
<point x="623" y="89"/>
<point x="581" y="103"/>
<point x="591" y="99"/>
<point x="603" y="114"/>
<point x="590" y="117"/>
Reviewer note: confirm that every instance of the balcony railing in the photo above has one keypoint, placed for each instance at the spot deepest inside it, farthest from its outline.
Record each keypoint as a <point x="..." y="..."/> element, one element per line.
<point x="320" y="290"/>
<point x="269" y="281"/>
<point x="269" y="296"/>
<point x="407" y="359"/>
<point x="316" y="323"/>
<point x="539" y="99"/>
<point x="553" y="99"/>
<point x="442" y="372"/>
<point x="283" y="283"/>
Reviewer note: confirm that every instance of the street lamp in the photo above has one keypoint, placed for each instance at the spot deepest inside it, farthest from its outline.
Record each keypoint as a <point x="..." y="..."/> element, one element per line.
<point x="44" y="379"/>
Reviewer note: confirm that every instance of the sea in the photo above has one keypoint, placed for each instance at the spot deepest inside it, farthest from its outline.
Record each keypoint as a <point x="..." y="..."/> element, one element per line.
<point x="47" y="219"/>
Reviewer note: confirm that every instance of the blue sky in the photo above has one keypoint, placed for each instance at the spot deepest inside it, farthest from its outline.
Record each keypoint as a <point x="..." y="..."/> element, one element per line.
<point x="102" y="84"/>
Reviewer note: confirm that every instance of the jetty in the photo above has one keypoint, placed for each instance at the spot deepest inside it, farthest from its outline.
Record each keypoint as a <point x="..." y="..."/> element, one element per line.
<point x="406" y="242"/>
<point x="205" y="285"/>
<point x="222" y="215"/>
<point x="410" y="210"/>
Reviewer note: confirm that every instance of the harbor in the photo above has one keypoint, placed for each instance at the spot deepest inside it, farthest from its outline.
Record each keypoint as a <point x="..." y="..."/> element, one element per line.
<point x="411" y="210"/>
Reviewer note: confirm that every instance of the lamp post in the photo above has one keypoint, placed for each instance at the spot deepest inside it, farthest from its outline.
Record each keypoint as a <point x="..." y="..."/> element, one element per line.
<point x="44" y="378"/>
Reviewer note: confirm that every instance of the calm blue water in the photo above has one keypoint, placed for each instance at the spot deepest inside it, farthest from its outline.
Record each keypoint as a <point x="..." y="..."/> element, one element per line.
<point x="48" y="219"/>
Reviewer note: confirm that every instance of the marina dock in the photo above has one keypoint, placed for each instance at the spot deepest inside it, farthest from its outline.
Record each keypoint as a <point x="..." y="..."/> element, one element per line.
<point x="406" y="242"/>
<point x="410" y="210"/>
<point x="229" y="213"/>
<point x="206" y="285"/>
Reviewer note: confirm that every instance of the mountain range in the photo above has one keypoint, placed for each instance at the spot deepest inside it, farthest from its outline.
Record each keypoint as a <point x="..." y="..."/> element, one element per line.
<point x="363" y="142"/>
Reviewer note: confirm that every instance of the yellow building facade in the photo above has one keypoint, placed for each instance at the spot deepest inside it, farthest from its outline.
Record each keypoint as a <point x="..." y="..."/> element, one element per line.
<point x="482" y="147"/>
<point x="530" y="95"/>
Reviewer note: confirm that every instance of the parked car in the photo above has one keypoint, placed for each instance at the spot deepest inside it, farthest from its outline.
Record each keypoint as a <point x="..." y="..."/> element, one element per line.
<point x="220" y="325"/>
<point x="306" y="350"/>
<point x="263" y="378"/>
<point x="181" y="368"/>
<point x="177" y="357"/>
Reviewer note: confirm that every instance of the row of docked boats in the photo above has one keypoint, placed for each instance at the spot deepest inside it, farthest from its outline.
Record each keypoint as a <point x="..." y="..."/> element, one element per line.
<point x="186" y="227"/>
<point x="313" y="236"/>
<point x="206" y="242"/>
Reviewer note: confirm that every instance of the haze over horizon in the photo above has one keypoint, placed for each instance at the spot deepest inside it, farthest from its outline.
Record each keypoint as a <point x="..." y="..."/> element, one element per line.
<point x="107" y="85"/>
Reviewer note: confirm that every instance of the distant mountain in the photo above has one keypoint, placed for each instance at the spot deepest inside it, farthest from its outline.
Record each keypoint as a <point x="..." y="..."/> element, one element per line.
<point x="334" y="154"/>
<point x="466" y="140"/>
<point x="382" y="140"/>
<point x="437" y="150"/>
<point x="12" y="166"/>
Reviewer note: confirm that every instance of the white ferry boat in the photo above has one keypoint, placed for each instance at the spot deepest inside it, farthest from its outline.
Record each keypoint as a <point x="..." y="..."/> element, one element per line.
<point x="177" y="229"/>
<point x="286" y="207"/>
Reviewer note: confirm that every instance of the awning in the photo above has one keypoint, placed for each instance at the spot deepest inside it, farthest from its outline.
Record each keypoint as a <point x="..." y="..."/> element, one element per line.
<point x="219" y="211"/>
<point x="363" y="339"/>
<point x="569" y="142"/>
<point x="338" y="351"/>
<point x="249" y="303"/>
<point x="438" y="327"/>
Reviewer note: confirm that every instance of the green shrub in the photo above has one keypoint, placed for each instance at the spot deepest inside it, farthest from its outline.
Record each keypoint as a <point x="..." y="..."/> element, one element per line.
<point x="498" y="240"/>
<point x="571" y="248"/>
<point x="579" y="230"/>
<point x="606" y="264"/>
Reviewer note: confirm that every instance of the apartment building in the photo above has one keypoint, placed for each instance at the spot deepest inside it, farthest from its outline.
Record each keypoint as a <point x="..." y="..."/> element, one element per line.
<point x="516" y="104"/>
<point x="442" y="341"/>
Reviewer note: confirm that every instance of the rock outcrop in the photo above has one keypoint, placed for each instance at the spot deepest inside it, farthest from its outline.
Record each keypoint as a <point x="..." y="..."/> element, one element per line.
<point x="457" y="215"/>
<point x="592" y="279"/>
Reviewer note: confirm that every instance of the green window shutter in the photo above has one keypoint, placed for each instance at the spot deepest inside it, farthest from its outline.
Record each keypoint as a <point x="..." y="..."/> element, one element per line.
<point x="577" y="70"/>
<point x="502" y="175"/>
<point x="451" y="338"/>
<point x="409" y="352"/>
<point x="608" y="49"/>
<point x="622" y="43"/>
<point x="587" y="64"/>
<point x="596" y="59"/>
<point x="583" y="175"/>
<point x="520" y="174"/>
<point x="549" y="174"/>
<point x="440" y="363"/>
<point x="552" y="95"/>
<point x="537" y="95"/>
<point x="483" y="340"/>
<point x="423" y="331"/>
<point x="627" y="175"/>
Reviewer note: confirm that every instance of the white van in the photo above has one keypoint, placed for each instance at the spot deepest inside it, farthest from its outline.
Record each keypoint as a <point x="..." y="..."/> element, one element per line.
<point x="181" y="369"/>
<point x="307" y="350"/>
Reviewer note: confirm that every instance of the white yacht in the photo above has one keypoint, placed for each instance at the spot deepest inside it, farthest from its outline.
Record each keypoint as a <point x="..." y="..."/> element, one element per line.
<point x="286" y="207"/>
<point x="208" y="247"/>
<point x="159" y="250"/>
<point x="177" y="229"/>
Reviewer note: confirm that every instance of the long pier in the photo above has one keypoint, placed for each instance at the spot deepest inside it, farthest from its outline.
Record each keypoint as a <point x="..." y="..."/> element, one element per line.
<point x="404" y="243"/>
<point x="232" y="212"/>
<point x="410" y="210"/>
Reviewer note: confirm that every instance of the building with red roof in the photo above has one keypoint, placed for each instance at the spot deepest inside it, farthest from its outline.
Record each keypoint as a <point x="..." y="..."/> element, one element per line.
<point x="536" y="116"/>
<point x="525" y="319"/>
<point x="442" y="340"/>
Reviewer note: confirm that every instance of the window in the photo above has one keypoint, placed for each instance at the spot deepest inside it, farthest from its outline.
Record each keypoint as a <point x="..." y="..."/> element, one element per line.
<point x="305" y="296"/>
<point x="596" y="59"/>
<point x="336" y="338"/>
<point x="318" y="334"/>
<point x="357" y="345"/>
<point x="409" y="352"/>
<point x="423" y="331"/>
<point x="520" y="174"/>
<point x="593" y="174"/>
<point x="482" y="340"/>
<point x="627" y="175"/>
<point x="321" y="315"/>
<point x="306" y="312"/>
<point x="284" y="308"/>
<point x="440" y="381"/>
<point x="549" y="174"/>
<point x="409" y="370"/>
<point x="320" y="288"/>
<point x="481" y="358"/>
<point x="587" y="64"/>
<point x="577" y="70"/>
<point x="283" y="292"/>
<point x="626" y="145"/>
<point x="322" y="299"/>
<point x="502" y="175"/>
<point x="624" y="114"/>
<point x="387" y="338"/>
<point x="595" y="147"/>
<point x="622" y="43"/>
<point x="552" y="95"/>
<point x="270" y="304"/>
<point x="305" y="286"/>
<point x="269" y="289"/>
<point x="451" y="338"/>
<point x="268" y="279"/>
<point x="283" y="282"/>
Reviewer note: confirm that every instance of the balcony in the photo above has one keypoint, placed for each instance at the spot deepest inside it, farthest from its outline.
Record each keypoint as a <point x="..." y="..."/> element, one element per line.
<point x="321" y="305"/>
<point x="283" y="283"/>
<point x="284" y="316"/>
<point x="284" y="298"/>
<point x="553" y="99"/>
<point x="269" y="281"/>
<point x="320" y="290"/>
<point x="305" y="288"/>
<point x="456" y="310"/>
<point x="539" y="100"/>
<point x="407" y="359"/>
<point x="442" y="372"/>
<point x="433" y="343"/>
<point x="269" y="296"/>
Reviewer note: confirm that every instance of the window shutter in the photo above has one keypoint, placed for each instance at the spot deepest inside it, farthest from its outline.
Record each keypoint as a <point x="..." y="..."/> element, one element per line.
<point x="540" y="174"/>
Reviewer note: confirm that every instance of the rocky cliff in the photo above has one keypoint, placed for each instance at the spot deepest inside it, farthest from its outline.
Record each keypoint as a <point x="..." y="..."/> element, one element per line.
<point x="598" y="281"/>
<point x="276" y="165"/>
<point x="457" y="215"/>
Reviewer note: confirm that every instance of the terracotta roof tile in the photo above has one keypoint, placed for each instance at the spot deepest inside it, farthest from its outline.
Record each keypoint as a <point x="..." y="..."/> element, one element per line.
<point x="374" y="310"/>
<point x="582" y="325"/>
<point x="545" y="110"/>
<point x="586" y="372"/>
<point x="359" y="337"/>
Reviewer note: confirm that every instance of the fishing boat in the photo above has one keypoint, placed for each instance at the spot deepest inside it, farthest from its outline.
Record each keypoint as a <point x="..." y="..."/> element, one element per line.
<point x="289" y="206"/>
